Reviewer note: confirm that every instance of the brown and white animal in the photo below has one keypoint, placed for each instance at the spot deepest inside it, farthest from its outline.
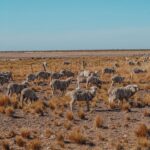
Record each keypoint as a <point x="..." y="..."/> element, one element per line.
<point x="82" y="95"/>
<point x="43" y="75"/>
<point x="28" y="94"/>
<point x="61" y="85"/>
<point x="94" y="80"/>
<point x="117" y="79"/>
<point x="121" y="93"/>
<point x="67" y="73"/>
<point x="16" y="88"/>
<point x="31" y="77"/>
<point x="109" y="70"/>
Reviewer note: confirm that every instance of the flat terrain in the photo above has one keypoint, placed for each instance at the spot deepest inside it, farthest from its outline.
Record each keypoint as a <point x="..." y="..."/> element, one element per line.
<point x="48" y="124"/>
<point x="62" y="54"/>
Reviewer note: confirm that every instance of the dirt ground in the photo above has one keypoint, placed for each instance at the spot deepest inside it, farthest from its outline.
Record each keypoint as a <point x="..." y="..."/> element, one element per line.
<point x="48" y="124"/>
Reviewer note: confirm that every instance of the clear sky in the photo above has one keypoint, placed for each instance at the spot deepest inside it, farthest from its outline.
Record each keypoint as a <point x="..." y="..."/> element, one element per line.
<point x="74" y="24"/>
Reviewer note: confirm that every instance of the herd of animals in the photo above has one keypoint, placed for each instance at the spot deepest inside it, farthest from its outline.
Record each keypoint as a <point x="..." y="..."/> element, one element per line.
<point x="60" y="81"/>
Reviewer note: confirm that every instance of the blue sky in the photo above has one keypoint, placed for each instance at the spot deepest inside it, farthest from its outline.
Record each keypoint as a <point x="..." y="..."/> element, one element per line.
<point x="74" y="24"/>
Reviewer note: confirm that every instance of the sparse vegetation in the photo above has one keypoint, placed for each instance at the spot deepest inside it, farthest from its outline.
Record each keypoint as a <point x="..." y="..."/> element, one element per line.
<point x="98" y="122"/>
<point x="34" y="145"/>
<point x="142" y="131"/>
<point x="69" y="115"/>
<point x="25" y="133"/>
<point x="50" y="124"/>
<point x="20" y="141"/>
<point x="77" y="136"/>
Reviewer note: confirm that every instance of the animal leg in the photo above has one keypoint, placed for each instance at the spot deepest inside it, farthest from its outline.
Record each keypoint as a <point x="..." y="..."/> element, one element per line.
<point x="87" y="103"/>
<point x="71" y="104"/>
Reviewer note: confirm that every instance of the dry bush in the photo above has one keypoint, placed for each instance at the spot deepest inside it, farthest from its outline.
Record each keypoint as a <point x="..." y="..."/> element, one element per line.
<point x="81" y="114"/>
<point x="2" y="109"/>
<point x="12" y="134"/>
<point x="69" y="115"/>
<point x="48" y="133"/>
<point x="38" y="107"/>
<point x="146" y="113"/>
<point x="119" y="147"/>
<point x="59" y="136"/>
<point x="67" y="125"/>
<point x="100" y="137"/>
<point x="4" y="101"/>
<point x="9" y="111"/>
<point x="25" y="133"/>
<point x="113" y="105"/>
<point x="61" y="144"/>
<point x="77" y="136"/>
<point x="125" y="106"/>
<point x="142" y="131"/>
<point x="14" y="102"/>
<point x="144" y="142"/>
<point x="34" y="145"/>
<point x="52" y="105"/>
<point x="98" y="122"/>
<point x="20" y="141"/>
<point x="5" y="145"/>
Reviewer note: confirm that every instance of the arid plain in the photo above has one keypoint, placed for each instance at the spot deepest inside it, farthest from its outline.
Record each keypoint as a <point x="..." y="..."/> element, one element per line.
<point x="49" y="123"/>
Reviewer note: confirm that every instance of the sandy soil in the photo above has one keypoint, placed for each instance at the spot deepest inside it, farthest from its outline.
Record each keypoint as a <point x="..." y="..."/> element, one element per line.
<point x="119" y="125"/>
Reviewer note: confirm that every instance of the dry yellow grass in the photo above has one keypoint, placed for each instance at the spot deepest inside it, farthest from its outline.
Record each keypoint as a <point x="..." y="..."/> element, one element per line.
<point x="57" y="116"/>
<point x="98" y="122"/>
<point x="9" y="111"/>
<point x="77" y="136"/>
<point x="34" y="145"/>
<point x="5" y="145"/>
<point x="142" y="131"/>
<point x="81" y="114"/>
<point x="25" y="133"/>
<point x="69" y="115"/>
<point x="20" y="141"/>
<point x="4" y="100"/>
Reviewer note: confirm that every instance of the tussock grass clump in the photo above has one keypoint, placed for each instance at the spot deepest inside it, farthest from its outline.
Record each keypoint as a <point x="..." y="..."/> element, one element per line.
<point x="52" y="105"/>
<point x="144" y="142"/>
<point x="20" y="141"/>
<point x="98" y="122"/>
<point x="112" y="105"/>
<point x="34" y="145"/>
<point x="2" y="109"/>
<point x="142" y="131"/>
<point x="119" y="147"/>
<point x="77" y="136"/>
<point x="125" y="106"/>
<point x="14" y="102"/>
<point x="81" y="114"/>
<point x="48" y="133"/>
<point x="67" y="125"/>
<point x="146" y="113"/>
<point x="59" y="136"/>
<point x="4" y="101"/>
<point x="12" y="134"/>
<point x="9" y="111"/>
<point x="5" y="145"/>
<point x="38" y="107"/>
<point x="69" y="115"/>
<point x="25" y="133"/>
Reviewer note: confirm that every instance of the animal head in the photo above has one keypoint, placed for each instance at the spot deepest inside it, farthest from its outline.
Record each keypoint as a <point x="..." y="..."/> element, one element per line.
<point x="93" y="88"/>
<point x="70" y="79"/>
<point x="134" y="88"/>
<point x="45" y="64"/>
<point x="25" y="84"/>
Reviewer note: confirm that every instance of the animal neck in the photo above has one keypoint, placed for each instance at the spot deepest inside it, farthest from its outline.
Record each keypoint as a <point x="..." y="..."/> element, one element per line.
<point x="44" y="67"/>
<point x="78" y="85"/>
<point x="93" y="92"/>
<point x="31" y="68"/>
